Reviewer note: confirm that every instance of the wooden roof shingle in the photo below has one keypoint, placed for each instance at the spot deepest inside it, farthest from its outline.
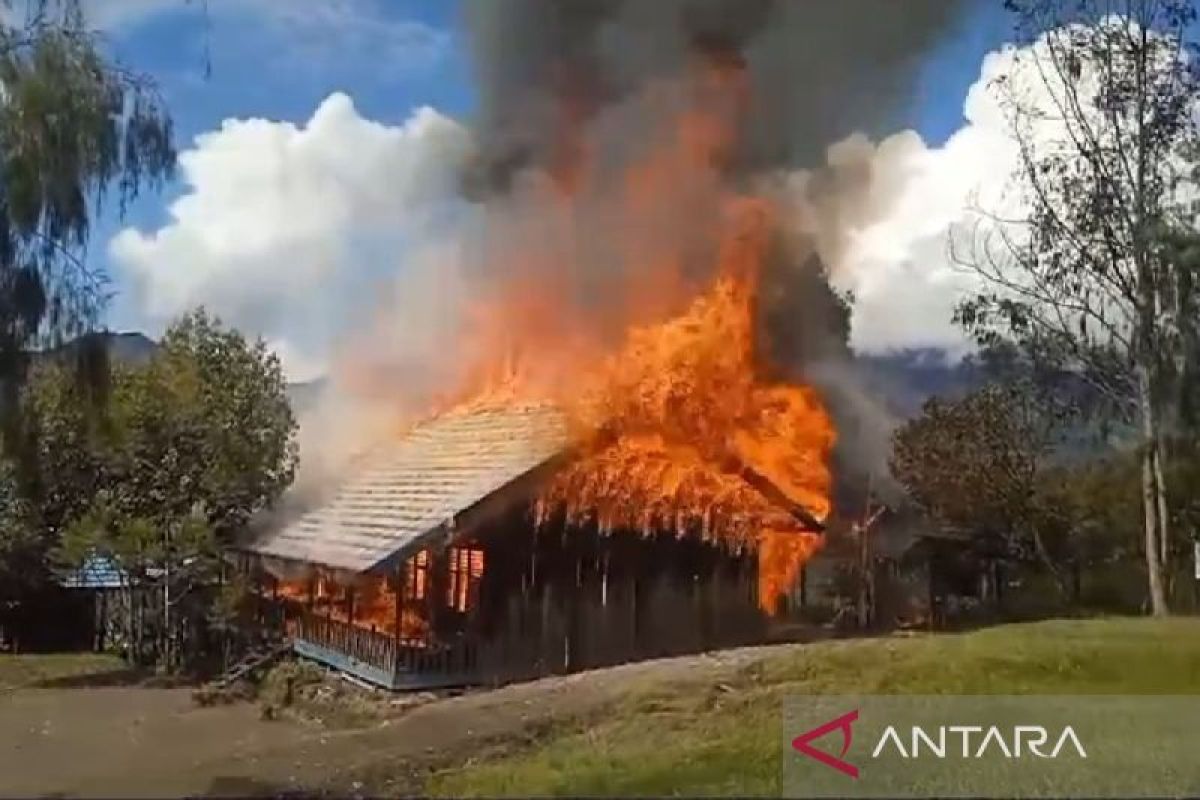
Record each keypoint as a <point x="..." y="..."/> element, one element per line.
<point x="414" y="486"/>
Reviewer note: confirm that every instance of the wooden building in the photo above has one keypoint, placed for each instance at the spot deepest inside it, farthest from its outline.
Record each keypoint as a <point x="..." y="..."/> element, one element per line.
<point x="102" y="591"/>
<point x="82" y="609"/>
<point x="429" y="567"/>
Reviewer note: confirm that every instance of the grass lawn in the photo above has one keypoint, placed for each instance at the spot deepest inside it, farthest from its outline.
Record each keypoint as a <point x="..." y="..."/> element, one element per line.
<point x="725" y="738"/>
<point x="23" y="671"/>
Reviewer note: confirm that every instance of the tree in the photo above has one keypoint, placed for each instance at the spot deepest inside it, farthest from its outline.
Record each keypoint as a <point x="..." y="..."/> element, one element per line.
<point x="20" y="556"/>
<point x="188" y="448"/>
<point x="975" y="466"/>
<point x="75" y="126"/>
<point x="64" y="467"/>
<point x="239" y="394"/>
<point x="1101" y="108"/>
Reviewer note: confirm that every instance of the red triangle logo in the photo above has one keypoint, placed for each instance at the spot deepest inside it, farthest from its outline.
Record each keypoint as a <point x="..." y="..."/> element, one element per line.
<point x="802" y="743"/>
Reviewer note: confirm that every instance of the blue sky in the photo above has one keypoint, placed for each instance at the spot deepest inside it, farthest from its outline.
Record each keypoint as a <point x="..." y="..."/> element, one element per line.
<point x="278" y="59"/>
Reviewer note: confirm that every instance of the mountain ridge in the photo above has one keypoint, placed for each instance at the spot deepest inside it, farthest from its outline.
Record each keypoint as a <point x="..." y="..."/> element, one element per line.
<point x="902" y="379"/>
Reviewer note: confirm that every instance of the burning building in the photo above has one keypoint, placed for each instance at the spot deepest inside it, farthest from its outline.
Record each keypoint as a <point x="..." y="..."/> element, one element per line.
<point x="653" y="500"/>
<point x="443" y="561"/>
<point x="622" y="467"/>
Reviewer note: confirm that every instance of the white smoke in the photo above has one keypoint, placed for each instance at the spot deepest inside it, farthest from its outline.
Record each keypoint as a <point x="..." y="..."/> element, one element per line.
<point x="882" y="215"/>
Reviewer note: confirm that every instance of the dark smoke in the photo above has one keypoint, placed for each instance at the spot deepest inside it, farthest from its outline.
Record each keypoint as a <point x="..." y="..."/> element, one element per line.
<point x="818" y="71"/>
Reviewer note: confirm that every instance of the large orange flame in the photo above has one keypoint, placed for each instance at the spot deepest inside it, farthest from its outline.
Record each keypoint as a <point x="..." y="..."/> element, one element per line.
<point x="662" y="381"/>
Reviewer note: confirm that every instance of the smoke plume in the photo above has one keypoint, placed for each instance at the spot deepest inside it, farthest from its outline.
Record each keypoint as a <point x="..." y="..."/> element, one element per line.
<point x="554" y="75"/>
<point x="596" y="85"/>
<point x="818" y="71"/>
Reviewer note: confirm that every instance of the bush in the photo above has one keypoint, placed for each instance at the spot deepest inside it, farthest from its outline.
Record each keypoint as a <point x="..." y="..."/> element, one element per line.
<point x="282" y="685"/>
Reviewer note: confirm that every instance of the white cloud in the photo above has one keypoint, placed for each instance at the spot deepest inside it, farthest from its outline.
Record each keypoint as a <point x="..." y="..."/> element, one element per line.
<point x="286" y="230"/>
<point x="883" y="214"/>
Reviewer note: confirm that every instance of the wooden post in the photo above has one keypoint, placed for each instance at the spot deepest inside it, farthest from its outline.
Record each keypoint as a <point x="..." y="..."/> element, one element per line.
<point x="574" y="584"/>
<point x="436" y="586"/>
<point x="398" y="604"/>
<point x="328" y="605"/>
<point x="101" y="620"/>
<point x="803" y="586"/>
<point x="866" y="565"/>
<point x="634" y="565"/>
<point x="703" y="585"/>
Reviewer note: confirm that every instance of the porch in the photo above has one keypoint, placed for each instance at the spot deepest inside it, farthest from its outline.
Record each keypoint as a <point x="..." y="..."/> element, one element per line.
<point x="518" y="602"/>
<point x="380" y="659"/>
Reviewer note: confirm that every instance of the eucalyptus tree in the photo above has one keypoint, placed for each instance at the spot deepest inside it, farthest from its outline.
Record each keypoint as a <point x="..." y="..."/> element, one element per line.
<point x="1077" y="262"/>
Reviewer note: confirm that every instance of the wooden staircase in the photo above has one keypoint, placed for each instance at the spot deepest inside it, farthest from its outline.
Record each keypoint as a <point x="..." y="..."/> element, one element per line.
<point x="253" y="661"/>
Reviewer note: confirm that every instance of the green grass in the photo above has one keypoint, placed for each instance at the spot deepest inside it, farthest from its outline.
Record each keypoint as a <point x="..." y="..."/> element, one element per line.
<point x="30" y="670"/>
<point x="724" y="738"/>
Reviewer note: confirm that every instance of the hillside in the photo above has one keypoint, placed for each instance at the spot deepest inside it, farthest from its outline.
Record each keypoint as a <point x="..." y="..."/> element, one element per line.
<point x="699" y="725"/>
<point x="903" y="380"/>
<point x="126" y="348"/>
<point x="718" y="734"/>
<point x="135" y="348"/>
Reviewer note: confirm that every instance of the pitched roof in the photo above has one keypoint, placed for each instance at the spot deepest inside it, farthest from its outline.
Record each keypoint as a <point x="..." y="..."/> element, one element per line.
<point x="413" y="486"/>
<point x="96" y="572"/>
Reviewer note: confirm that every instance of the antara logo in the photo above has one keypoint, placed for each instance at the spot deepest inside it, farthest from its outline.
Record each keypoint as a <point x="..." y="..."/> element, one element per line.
<point x="1020" y="741"/>
<point x="802" y="743"/>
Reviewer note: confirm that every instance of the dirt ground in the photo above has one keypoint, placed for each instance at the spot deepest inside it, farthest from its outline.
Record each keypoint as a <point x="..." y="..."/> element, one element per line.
<point x="136" y="741"/>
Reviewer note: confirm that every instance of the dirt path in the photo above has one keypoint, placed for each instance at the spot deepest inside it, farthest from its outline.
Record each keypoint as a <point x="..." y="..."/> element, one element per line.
<point x="142" y="742"/>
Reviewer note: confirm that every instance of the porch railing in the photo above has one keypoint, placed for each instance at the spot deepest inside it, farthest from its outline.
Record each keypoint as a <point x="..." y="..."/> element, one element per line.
<point x="360" y="644"/>
<point x="454" y="659"/>
<point x="408" y="662"/>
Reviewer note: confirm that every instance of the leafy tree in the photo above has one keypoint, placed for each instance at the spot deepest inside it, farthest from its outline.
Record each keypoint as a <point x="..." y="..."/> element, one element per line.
<point x="74" y="125"/>
<point x="64" y="469"/>
<point x="20" y="556"/>
<point x="975" y="466"/>
<point x="248" y="448"/>
<point x="1101" y="107"/>
<point x="187" y="449"/>
<point x="63" y="435"/>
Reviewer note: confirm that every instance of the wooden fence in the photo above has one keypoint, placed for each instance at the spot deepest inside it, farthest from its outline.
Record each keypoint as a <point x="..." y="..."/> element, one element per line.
<point x="359" y="644"/>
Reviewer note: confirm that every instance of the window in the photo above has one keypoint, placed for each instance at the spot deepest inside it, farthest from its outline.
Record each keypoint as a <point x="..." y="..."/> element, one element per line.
<point x="466" y="568"/>
<point x="416" y="576"/>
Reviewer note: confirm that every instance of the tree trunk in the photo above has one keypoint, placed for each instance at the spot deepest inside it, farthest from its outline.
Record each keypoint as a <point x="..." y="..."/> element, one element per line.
<point x="864" y="579"/>
<point x="165" y="655"/>
<point x="1164" y="519"/>
<point x="132" y="638"/>
<point x="1043" y="554"/>
<point x="1150" y="506"/>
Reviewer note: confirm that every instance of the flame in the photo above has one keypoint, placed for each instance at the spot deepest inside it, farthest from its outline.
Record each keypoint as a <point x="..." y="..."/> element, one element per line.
<point x="374" y="606"/>
<point x="681" y="401"/>
<point x="660" y="380"/>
